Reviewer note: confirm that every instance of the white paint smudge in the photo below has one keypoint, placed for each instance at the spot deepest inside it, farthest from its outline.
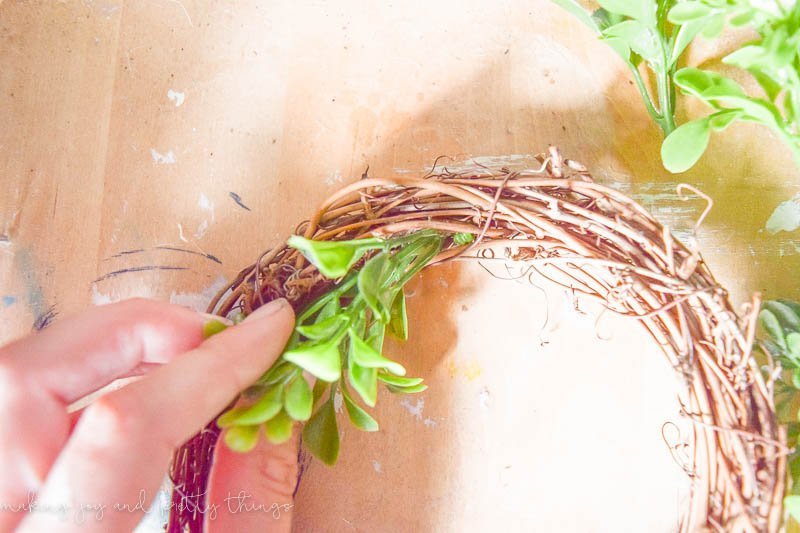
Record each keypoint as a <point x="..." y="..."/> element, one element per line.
<point x="414" y="410"/>
<point x="180" y="234"/>
<point x="204" y="203"/>
<point x="201" y="229"/>
<point x="338" y="399"/>
<point x="334" y="178"/>
<point x="99" y="298"/>
<point x="483" y="397"/>
<point x="376" y="465"/>
<point x="177" y="97"/>
<point x="429" y="422"/>
<point x="163" y="159"/>
<point x="786" y="216"/>
<point x="199" y="300"/>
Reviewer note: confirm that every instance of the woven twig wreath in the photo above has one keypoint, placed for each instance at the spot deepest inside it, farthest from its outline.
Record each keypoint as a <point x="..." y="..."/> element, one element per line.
<point x="598" y="242"/>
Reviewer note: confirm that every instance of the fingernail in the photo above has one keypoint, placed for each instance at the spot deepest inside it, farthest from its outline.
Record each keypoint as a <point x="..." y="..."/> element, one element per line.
<point x="267" y="309"/>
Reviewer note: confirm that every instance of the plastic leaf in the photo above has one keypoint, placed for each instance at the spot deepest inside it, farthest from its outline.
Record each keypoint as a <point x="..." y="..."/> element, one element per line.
<point x="398" y="319"/>
<point x="279" y="428"/>
<point x="460" y="239"/>
<point x="786" y="315"/>
<point x="262" y="410"/>
<point x="212" y="327"/>
<point x="714" y="26"/>
<point x="322" y="329"/>
<point x="299" y="400"/>
<point x="684" y="146"/>
<point x="358" y="416"/>
<point x="637" y="37"/>
<point x="321" y="434"/>
<point x="321" y="359"/>
<point x="687" y="12"/>
<point x="723" y="119"/>
<point x="686" y="33"/>
<point x="364" y="355"/>
<point x="373" y="285"/>
<point x="641" y="10"/>
<point x="241" y="438"/>
<point x="399" y="381"/>
<point x="771" y="325"/>
<point x="407" y="390"/>
<point x="364" y="381"/>
<point x="333" y="258"/>
<point x="277" y="373"/>
<point x="792" y="506"/>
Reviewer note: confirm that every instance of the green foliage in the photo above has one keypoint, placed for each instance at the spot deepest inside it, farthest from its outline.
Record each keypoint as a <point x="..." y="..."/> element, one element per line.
<point x="656" y="33"/>
<point x="780" y="321"/>
<point x="338" y="339"/>
<point x="640" y="33"/>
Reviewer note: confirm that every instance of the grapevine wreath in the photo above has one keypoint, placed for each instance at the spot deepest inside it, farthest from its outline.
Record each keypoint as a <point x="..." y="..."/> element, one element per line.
<point x="344" y="277"/>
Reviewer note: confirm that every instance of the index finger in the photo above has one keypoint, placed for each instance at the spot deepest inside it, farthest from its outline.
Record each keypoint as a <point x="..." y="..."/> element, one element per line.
<point x="122" y="443"/>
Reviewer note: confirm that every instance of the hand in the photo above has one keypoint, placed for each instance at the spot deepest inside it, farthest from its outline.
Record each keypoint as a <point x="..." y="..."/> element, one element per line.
<point x="121" y="444"/>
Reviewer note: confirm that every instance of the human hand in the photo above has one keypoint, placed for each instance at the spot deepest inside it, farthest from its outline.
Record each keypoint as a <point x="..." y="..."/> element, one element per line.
<point x="121" y="444"/>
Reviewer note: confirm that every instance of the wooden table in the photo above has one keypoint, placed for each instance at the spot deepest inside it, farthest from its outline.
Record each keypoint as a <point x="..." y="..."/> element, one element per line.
<point x="155" y="147"/>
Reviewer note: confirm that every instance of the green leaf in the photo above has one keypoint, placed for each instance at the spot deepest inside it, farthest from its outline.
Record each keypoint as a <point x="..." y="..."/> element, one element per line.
<point x="319" y="389"/>
<point x="364" y="381"/>
<point x="641" y="10"/>
<point x="322" y="329"/>
<point x="684" y="146"/>
<point x="686" y="34"/>
<point x="212" y="327"/>
<point x="279" y="428"/>
<point x="792" y="506"/>
<point x="578" y="12"/>
<point x="364" y="355"/>
<point x="745" y="57"/>
<point x="407" y="390"/>
<point x="638" y="37"/>
<point x="241" y="439"/>
<point x="460" y="239"/>
<point x="620" y="47"/>
<point x="723" y="119"/>
<point x="688" y="12"/>
<point x="333" y="258"/>
<point x="299" y="400"/>
<point x="796" y="380"/>
<point x="320" y="359"/>
<point x="743" y="17"/>
<point x="398" y="319"/>
<point x="373" y="284"/>
<point x="321" y="434"/>
<point x="714" y="26"/>
<point x="358" y="416"/>
<point x="773" y="328"/>
<point x="278" y="373"/>
<point x="399" y="381"/>
<point x="705" y="84"/>
<point x="265" y="408"/>
<point x="604" y="18"/>
<point x="786" y="314"/>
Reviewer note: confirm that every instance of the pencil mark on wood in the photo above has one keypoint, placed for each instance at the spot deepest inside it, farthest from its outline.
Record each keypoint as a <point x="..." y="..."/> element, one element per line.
<point x="45" y="319"/>
<point x="184" y="250"/>
<point x="137" y="269"/>
<point x="238" y="199"/>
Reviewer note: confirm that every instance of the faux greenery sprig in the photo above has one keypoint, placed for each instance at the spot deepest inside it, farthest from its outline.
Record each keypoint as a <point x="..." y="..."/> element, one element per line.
<point x="338" y="339"/>
<point x="773" y="59"/>
<point x="657" y="32"/>
<point x="780" y="319"/>
<point x="639" y="31"/>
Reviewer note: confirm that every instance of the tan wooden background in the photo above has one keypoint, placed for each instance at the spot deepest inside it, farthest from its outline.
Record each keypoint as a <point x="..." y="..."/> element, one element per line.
<point x="127" y="128"/>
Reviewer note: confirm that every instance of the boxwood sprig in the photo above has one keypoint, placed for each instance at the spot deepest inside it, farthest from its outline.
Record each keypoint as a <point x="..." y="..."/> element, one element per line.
<point x="338" y="339"/>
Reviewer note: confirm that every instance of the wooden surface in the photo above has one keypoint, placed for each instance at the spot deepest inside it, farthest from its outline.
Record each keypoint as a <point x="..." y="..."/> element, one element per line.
<point x="127" y="129"/>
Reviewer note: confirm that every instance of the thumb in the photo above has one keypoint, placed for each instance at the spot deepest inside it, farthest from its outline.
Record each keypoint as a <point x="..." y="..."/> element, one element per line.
<point x="253" y="491"/>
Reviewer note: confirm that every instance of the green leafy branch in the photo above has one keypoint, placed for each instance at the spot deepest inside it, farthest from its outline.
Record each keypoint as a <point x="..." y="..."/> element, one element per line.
<point x="780" y="319"/>
<point x="640" y="33"/>
<point x="338" y="339"/>
<point x="773" y="60"/>
<point x="657" y="33"/>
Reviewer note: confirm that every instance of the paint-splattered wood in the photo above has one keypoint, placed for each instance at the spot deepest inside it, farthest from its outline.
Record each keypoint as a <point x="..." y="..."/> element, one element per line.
<point x="154" y="147"/>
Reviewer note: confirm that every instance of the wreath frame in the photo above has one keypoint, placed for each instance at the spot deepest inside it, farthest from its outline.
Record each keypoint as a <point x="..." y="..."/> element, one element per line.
<point x="599" y="243"/>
